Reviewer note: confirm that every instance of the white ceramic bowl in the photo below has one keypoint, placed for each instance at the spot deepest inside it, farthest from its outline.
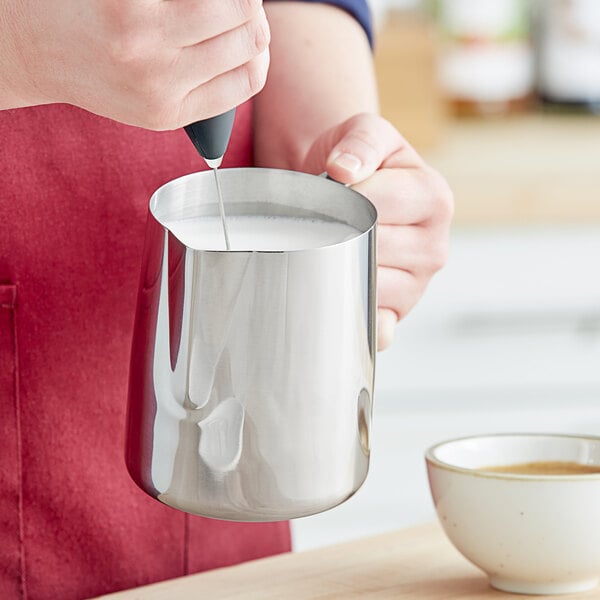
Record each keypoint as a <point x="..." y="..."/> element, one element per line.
<point x="532" y="534"/>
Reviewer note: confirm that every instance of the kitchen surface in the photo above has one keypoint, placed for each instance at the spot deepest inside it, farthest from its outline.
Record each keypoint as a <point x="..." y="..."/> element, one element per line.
<point x="416" y="564"/>
<point x="507" y="338"/>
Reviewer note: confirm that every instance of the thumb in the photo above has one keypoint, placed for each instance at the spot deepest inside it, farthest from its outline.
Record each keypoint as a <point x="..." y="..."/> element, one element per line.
<point x="364" y="142"/>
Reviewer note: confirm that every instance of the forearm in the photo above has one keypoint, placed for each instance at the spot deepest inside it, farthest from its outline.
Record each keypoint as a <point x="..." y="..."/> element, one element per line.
<point x="321" y="73"/>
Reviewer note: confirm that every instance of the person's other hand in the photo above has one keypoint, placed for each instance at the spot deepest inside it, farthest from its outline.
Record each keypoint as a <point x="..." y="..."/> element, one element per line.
<point x="152" y="63"/>
<point x="414" y="203"/>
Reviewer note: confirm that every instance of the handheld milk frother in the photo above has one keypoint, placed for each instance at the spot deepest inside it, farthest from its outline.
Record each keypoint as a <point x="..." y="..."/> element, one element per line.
<point x="211" y="137"/>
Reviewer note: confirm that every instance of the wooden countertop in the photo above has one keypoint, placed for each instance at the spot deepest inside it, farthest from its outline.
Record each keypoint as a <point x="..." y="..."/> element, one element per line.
<point x="529" y="169"/>
<point x="416" y="564"/>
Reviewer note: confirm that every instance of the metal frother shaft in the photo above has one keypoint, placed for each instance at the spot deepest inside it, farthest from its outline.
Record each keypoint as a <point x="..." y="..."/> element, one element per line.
<point x="211" y="137"/>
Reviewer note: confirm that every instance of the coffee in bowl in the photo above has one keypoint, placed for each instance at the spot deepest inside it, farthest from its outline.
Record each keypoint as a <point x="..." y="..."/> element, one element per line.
<point x="524" y="508"/>
<point x="545" y="467"/>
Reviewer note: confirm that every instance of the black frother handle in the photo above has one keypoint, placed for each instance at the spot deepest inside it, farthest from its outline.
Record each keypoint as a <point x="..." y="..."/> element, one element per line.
<point x="211" y="136"/>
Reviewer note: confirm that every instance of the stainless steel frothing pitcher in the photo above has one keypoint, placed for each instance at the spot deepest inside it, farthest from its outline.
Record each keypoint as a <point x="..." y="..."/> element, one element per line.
<point x="251" y="379"/>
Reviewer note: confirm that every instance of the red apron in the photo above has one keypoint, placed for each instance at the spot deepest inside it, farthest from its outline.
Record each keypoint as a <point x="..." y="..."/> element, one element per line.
<point x="74" y="191"/>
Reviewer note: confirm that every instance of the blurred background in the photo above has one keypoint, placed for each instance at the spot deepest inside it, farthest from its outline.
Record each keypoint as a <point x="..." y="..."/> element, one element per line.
<point x="502" y="97"/>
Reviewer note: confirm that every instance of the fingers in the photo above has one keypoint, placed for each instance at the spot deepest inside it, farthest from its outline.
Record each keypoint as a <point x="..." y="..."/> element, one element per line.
<point x="408" y="196"/>
<point x="365" y="143"/>
<point x="224" y="92"/>
<point x="188" y="22"/>
<point x="240" y="57"/>
<point x="225" y="70"/>
<point x="398" y="290"/>
<point x="198" y="64"/>
<point x="418" y="250"/>
<point x="413" y="201"/>
<point x="157" y="64"/>
<point x="387" y="320"/>
<point x="188" y="60"/>
<point x="407" y="258"/>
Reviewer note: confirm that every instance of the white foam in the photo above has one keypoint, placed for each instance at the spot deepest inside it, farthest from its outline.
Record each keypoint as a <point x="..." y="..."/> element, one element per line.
<point x="260" y="233"/>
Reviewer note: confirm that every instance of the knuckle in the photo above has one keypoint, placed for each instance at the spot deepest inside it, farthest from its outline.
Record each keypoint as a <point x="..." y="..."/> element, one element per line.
<point x="401" y="305"/>
<point x="259" y="36"/>
<point x="436" y="252"/>
<point x="247" y="8"/>
<point x="443" y="196"/>
<point x="368" y="132"/>
<point x="364" y="139"/>
<point x="438" y="257"/>
<point x="127" y="45"/>
<point x="254" y="75"/>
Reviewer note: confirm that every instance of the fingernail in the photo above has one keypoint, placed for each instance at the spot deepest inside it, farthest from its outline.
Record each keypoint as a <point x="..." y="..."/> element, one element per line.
<point x="348" y="161"/>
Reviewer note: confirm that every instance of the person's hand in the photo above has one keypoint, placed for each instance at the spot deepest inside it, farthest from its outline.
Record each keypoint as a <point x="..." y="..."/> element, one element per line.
<point x="414" y="203"/>
<point x="152" y="63"/>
